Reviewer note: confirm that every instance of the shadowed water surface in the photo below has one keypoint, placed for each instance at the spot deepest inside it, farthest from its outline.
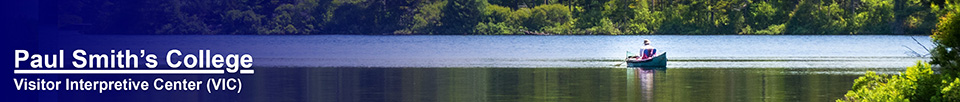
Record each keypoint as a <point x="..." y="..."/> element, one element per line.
<point x="548" y="84"/>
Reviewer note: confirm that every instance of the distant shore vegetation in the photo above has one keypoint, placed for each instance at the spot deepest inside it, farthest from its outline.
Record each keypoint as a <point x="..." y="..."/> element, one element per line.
<point x="500" y="17"/>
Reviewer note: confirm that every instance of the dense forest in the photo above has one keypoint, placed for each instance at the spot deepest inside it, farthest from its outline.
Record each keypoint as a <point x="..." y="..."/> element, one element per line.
<point x="458" y="17"/>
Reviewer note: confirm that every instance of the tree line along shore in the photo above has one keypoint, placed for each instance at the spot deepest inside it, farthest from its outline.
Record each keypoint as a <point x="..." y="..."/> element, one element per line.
<point x="501" y="17"/>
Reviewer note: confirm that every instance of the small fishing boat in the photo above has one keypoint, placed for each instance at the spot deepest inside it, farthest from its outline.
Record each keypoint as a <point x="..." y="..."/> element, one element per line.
<point x="659" y="60"/>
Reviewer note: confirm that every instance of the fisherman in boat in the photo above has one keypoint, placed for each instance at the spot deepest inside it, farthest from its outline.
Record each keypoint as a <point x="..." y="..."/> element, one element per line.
<point x="647" y="58"/>
<point x="647" y="51"/>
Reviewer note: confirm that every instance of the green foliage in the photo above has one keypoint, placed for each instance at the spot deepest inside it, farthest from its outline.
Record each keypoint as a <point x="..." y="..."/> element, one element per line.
<point x="552" y="18"/>
<point x="619" y="10"/>
<point x="564" y="28"/>
<point x="746" y="30"/>
<point x="183" y="20"/>
<point x="920" y="83"/>
<point x="676" y="21"/>
<point x="520" y="16"/>
<point x="873" y="88"/>
<point x="917" y="83"/>
<point x="460" y="16"/>
<point x="874" y="17"/>
<point x="242" y="22"/>
<point x="424" y="19"/>
<point x="606" y="27"/>
<point x="548" y="16"/>
<point x="772" y="29"/>
<point x="913" y="15"/>
<point x="946" y="54"/>
<point x="644" y="20"/>
<point x="950" y="92"/>
<point x="494" y="13"/>
<point x="289" y="18"/>
<point x="496" y="29"/>
<point x="588" y="12"/>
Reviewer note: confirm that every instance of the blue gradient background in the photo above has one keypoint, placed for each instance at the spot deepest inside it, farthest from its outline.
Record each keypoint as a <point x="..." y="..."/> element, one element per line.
<point x="31" y="25"/>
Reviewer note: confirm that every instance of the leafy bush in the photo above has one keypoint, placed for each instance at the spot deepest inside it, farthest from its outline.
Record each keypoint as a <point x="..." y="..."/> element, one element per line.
<point x="565" y="28"/>
<point x="920" y="83"/>
<point x="496" y="29"/>
<point x="548" y="16"/>
<point x="946" y="53"/>
<point x="606" y="27"/>
<point x="772" y="29"/>
<point x="497" y="13"/>
<point x="917" y="83"/>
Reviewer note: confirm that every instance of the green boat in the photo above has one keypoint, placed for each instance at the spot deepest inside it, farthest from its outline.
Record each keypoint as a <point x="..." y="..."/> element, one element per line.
<point x="659" y="60"/>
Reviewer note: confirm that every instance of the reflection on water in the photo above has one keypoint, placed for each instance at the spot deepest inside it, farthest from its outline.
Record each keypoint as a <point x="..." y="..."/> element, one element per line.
<point x="546" y="84"/>
<point x="641" y="80"/>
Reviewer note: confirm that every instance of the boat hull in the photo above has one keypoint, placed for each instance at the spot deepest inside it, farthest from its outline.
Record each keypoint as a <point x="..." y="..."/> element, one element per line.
<point x="659" y="60"/>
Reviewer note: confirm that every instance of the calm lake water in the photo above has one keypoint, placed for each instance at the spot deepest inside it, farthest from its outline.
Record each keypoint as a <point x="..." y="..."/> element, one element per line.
<point x="541" y="68"/>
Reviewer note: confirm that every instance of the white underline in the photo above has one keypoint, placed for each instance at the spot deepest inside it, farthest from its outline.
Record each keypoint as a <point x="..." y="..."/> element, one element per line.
<point x="246" y="71"/>
<point x="191" y="71"/>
